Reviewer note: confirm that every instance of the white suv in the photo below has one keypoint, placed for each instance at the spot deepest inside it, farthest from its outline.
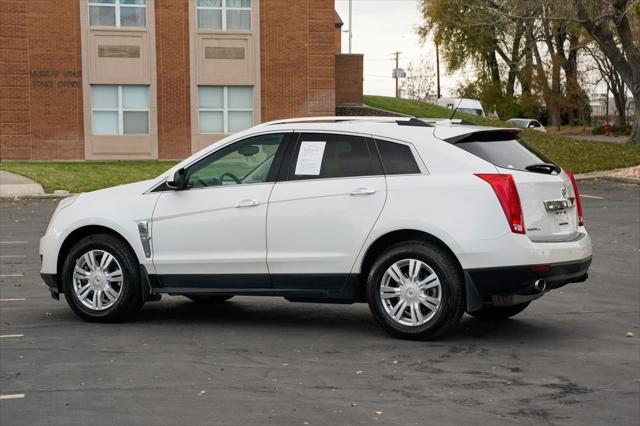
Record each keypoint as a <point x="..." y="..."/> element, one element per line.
<point x="422" y="221"/>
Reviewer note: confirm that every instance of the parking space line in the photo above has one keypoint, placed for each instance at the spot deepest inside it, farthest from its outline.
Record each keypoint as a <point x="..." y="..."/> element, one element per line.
<point x="12" y="396"/>
<point x="595" y="197"/>
<point x="10" y="336"/>
<point x="12" y="255"/>
<point x="11" y="275"/>
<point x="13" y="242"/>
<point x="16" y="299"/>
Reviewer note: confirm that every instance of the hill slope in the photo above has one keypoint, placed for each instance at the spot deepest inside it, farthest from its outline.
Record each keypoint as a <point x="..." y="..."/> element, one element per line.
<point x="577" y="155"/>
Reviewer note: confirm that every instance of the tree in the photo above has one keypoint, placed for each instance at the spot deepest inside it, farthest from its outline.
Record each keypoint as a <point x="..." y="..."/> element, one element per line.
<point x="608" y="23"/>
<point x="614" y="25"/>
<point x="609" y="75"/>
<point x="419" y="82"/>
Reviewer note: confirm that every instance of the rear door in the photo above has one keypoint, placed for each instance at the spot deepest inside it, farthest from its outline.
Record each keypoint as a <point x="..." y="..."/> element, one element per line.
<point x="546" y="193"/>
<point x="322" y="209"/>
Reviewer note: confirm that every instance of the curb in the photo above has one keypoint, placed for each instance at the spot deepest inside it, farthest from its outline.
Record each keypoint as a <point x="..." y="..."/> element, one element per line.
<point x="620" y="179"/>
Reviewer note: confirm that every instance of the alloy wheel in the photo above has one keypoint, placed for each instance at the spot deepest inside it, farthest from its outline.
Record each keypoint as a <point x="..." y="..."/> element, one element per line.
<point x="410" y="292"/>
<point x="97" y="280"/>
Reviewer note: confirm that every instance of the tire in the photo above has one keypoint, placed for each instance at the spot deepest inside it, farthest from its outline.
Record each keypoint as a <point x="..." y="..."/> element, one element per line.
<point x="207" y="298"/>
<point x="447" y="290"/>
<point x="117" y="298"/>
<point x="499" y="312"/>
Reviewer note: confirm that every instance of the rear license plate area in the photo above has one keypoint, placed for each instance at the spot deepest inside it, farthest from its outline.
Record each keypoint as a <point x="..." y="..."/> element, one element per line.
<point x="562" y="217"/>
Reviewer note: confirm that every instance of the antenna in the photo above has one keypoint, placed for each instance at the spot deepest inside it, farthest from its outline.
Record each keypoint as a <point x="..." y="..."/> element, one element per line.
<point x="455" y="109"/>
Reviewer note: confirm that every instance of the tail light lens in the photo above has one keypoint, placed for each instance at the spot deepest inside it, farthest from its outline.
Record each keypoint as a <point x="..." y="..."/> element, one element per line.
<point x="576" y="194"/>
<point x="507" y="193"/>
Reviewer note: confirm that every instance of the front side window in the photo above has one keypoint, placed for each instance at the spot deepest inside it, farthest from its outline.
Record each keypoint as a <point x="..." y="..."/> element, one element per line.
<point x="244" y="162"/>
<point x="225" y="109"/>
<point x="224" y="14"/>
<point x="321" y="156"/>
<point x="120" y="110"/>
<point x="118" y="13"/>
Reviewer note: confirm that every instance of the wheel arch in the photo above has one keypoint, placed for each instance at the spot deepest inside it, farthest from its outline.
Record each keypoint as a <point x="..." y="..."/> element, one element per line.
<point x="77" y="235"/>
<point x="394" y="237"/>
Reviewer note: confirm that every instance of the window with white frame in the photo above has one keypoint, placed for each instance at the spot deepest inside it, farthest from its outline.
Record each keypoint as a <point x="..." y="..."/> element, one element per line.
<point x="120" y="110"/>
<point x="118" y="13"/>
<point x="224" y="14"/>
<point x="225" y="109"/>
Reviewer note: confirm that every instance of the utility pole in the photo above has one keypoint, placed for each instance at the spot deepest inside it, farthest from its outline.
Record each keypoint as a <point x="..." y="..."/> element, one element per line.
<point x="437" y="72"/>
<point x="350" y="23"/>
<point x="396" y="74"/>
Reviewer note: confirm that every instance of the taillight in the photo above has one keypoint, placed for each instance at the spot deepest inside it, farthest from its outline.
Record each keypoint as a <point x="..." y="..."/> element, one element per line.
<point x="507" y="193"/>
<point x="576" y="194"/>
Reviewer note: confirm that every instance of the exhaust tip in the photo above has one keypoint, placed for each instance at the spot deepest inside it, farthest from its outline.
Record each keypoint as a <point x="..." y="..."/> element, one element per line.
<point x="540" y="285"/>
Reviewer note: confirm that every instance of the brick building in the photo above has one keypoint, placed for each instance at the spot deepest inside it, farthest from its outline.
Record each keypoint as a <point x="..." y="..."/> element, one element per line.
<point x="148" y="79"/>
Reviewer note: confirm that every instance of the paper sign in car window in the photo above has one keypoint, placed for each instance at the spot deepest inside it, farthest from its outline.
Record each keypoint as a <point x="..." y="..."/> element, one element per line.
<point x="310" y="158"/>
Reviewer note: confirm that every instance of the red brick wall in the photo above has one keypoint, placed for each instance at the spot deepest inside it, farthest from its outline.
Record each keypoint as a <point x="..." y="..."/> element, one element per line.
<point x="40" y="80"/>
<point x="172" y="58"/>
<point x="297" y="61"/>
<point x="349" y="79"/>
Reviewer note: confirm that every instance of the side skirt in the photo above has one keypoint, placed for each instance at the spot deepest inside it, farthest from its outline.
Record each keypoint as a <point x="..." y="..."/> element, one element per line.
<point x="331" y="288"/>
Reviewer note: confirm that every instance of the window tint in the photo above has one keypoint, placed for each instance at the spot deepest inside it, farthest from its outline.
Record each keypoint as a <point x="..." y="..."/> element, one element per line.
<point x="320" y="156"/>
<point x="397" y="159"/>
<point x="508" y="153"/>
<point x="246" y="161"/>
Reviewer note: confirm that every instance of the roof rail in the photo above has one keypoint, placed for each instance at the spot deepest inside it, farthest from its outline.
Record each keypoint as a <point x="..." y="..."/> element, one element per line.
<point x="405" y="121"/>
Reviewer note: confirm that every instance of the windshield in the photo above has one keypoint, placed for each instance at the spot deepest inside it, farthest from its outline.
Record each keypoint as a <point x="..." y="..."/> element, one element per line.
<point x="472" y="111"/>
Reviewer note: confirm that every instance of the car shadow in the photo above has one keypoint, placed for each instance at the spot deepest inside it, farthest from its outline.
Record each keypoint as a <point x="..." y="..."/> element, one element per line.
<point x="354" y="320"/>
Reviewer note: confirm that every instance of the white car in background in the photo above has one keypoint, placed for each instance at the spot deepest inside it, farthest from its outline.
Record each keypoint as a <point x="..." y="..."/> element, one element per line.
<point x="422" y="221"/>
<point x="527" y="123"/>
<point x="464" y="105"/>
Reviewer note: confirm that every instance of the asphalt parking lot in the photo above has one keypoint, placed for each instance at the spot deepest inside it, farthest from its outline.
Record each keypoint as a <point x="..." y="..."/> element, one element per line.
<point x="257" y="361"/>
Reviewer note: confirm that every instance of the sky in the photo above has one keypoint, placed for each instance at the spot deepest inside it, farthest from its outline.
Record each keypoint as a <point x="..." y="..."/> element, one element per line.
<point x="381" y="27"/>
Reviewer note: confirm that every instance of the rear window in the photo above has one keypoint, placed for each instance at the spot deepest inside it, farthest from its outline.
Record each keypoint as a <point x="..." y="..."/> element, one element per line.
<point x="397" y="159"/>
<point x="507" y="152"/>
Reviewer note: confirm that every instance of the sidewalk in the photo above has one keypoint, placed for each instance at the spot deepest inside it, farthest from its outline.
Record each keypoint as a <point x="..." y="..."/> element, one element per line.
<point x="12" y="185"/>
<point x="626" y="175"/>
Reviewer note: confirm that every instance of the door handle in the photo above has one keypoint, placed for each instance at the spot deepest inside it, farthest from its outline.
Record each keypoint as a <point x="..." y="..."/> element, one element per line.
<point x="363" y="191"/>
<point x="247" y="203"/>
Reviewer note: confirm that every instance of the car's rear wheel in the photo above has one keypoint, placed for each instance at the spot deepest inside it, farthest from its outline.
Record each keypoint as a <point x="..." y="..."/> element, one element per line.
<point x="416" y="291"/>
<point x="207" y="298"/>
<point x="499" y="312"/>
<point x="101" y="279"/>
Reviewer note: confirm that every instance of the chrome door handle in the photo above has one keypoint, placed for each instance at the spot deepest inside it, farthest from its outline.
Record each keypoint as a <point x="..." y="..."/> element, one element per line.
<point x="363" y="191"/>
<point x="247" y="203"/>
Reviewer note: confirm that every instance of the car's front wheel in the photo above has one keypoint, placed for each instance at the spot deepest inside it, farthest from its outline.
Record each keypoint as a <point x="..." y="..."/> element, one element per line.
<point x="416" y="291"/>
<point x="101" y="279"/>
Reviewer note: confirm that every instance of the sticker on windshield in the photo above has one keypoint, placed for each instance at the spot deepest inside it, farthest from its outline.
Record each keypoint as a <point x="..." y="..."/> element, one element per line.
<point x="310" y="158"/>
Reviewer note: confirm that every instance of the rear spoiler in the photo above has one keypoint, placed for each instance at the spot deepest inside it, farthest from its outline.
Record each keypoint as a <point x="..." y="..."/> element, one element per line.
<point x="486" y="136"/>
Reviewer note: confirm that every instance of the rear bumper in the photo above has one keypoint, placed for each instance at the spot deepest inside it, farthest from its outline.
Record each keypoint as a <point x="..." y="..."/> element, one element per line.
<point x="520" y="279"/>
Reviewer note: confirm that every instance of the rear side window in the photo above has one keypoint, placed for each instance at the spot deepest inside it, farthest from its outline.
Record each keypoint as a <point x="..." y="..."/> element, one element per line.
<point x="397" y="159"/>
<point x="504" y="151"/>
<point x="323" y="155"/>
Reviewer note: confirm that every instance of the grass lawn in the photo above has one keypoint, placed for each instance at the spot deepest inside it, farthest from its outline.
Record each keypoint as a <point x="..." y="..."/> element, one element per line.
<point x="577" y="155"/>
<point x="86" y="176"/>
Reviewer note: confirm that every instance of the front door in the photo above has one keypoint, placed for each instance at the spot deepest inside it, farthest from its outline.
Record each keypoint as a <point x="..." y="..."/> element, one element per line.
<point x="321" y="211"/>
<point x="212" y="234"/>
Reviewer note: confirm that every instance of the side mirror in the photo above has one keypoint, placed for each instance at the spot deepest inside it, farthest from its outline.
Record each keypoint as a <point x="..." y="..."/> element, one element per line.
<point x="179" y="182"/>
